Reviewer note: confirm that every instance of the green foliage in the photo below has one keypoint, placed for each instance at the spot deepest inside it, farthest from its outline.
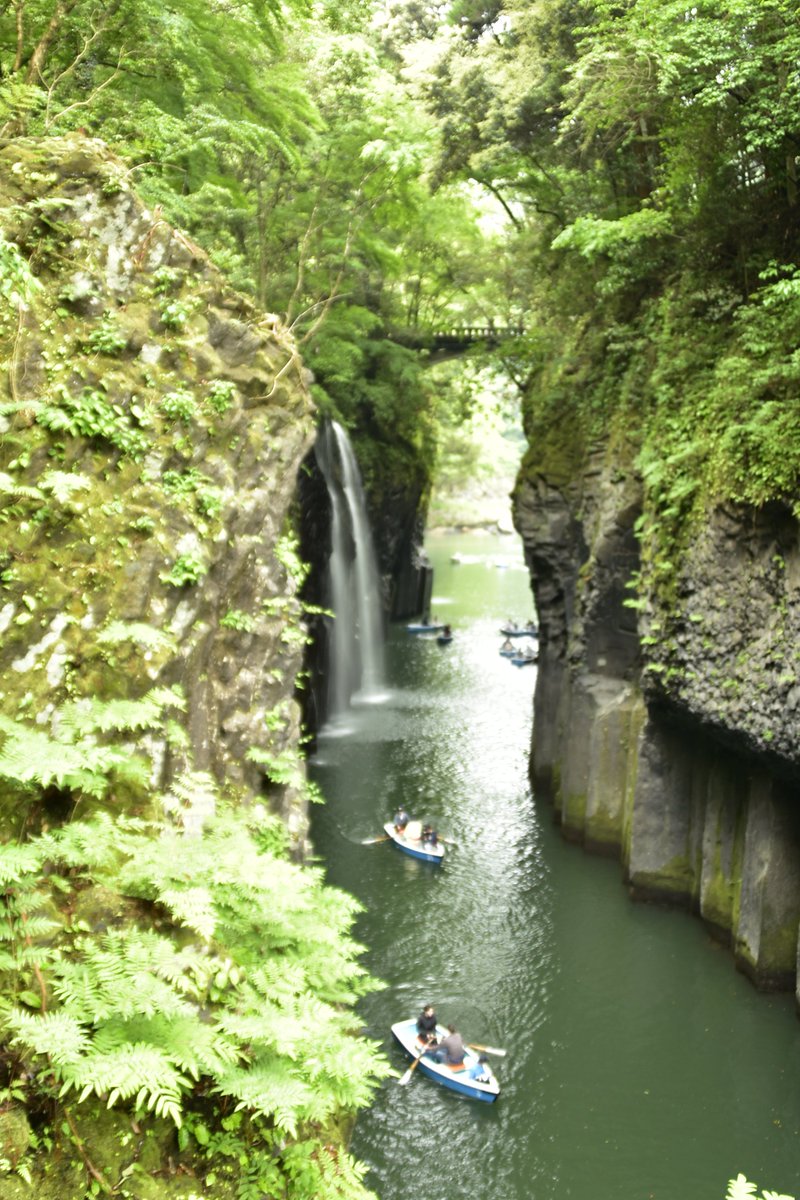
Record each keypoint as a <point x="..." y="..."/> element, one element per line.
<point x="741" y="1189"/>
<point x="88" y="414"/>
<point x="235" y="619"/>
<point x="107" y="338"/>
<point x="179" y="406"/>
<point x="16" y="277"/>
<point x="220" y="396"/>
<point x="222" y="970"/>
<point x="187" y="569"/>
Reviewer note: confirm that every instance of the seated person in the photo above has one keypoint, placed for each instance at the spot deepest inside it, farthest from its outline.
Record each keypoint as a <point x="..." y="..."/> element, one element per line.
<point x="426" y="1024"/>
<point x="480" y="1071"/>
<point x="413" y="830"/>
<point x="400" y="819"/>
<point x="450" y="1049"/>
<point x="429" y="836"/>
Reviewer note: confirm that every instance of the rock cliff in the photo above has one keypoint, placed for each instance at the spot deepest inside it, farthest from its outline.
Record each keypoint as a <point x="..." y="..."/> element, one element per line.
<point x="665" y="717"/>
<point x="152" y="434"/>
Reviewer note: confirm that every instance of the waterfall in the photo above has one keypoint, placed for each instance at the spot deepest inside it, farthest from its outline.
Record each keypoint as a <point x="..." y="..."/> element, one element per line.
<point x="356" y="645"/>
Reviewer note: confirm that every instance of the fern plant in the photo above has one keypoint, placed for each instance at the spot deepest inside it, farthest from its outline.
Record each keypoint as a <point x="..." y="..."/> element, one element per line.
<point x="253" y="1007"/>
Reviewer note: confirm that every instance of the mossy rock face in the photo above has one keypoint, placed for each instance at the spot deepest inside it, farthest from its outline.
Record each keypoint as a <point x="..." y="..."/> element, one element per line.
<point x="148" y="463"/>
<point x="15" y="1134"/>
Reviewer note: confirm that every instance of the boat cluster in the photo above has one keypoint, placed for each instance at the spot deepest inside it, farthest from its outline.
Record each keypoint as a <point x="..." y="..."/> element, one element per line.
<point x="520" y="654"/>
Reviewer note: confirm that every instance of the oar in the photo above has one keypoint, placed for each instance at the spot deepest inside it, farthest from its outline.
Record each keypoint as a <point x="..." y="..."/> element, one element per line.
<point x="404" y="1079"/>
<point x="374" y="841"/>
<point x="488" y="1049"/>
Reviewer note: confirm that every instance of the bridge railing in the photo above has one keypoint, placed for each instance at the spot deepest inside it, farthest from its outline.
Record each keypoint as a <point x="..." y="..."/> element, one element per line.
<point x="478" y="333"/>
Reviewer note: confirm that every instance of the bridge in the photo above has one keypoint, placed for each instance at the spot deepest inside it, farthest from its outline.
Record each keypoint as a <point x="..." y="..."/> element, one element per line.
<point x="442" y="344"/>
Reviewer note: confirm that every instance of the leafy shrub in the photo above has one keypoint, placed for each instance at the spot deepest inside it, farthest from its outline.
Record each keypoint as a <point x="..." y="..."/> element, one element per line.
<point x="179" y="406"/>
<point x="220" y="395"/>
<point x="107" y="338"/>
<point x="187" y="569"/>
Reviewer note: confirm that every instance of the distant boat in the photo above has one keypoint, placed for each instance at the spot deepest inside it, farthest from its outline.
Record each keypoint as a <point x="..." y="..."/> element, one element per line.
<point x="457" y="1079"/>
<point x="529" y="630"/>
<point x="524" y="660"/>
<point x="421" y="627"/>
<point x="414" y="846"/>
<point x="444" y="639"/>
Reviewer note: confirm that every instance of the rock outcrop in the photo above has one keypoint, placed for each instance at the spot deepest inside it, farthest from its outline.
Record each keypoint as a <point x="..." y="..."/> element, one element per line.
<point x="665" y="725"/>
<point x="151" y="439"/>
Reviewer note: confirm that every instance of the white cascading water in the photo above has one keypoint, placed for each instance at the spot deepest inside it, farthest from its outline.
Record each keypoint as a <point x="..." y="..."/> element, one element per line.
<point x="356" y="647"/>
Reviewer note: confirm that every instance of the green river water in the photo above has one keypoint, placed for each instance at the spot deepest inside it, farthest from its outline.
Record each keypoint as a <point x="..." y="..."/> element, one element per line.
<point x="641" y="1065"/>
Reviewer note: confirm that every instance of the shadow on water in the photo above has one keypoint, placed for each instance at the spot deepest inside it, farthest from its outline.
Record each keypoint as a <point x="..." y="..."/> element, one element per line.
<point x="640" y="1065"/>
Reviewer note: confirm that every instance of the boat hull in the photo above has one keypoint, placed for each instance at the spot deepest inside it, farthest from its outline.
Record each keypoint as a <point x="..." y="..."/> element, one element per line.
<point x="455" y="1081"/>
<point x="424" y="628"/>
<point x="414" y="849"/>
<point x="506" y="632"/>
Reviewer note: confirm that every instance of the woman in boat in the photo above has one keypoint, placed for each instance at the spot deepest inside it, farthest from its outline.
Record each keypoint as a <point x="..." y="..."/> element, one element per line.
<point x="450" y="1049"/>
<point x="426" y="1024"/>
<point x="507" y="644"/>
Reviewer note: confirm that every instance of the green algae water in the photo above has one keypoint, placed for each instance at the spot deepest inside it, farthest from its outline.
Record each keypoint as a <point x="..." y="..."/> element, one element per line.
<point x="641" y="1065"/>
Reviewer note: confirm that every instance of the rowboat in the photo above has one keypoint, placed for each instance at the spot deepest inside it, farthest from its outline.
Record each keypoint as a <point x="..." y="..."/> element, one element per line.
<point x="420" y="628"/>
<point x="523" y="660"/>
<point x="444" y="639"/>
<point x="512" y="631"/>
<point x="414" y="846"/>
<point x="457" y="1079"/>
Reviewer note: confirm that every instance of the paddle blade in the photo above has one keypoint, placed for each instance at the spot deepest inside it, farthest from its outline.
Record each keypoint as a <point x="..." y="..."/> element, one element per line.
<point x="404" y="1079"/>
<point x="374" y="841"/>
<point x="488" y="1049"/>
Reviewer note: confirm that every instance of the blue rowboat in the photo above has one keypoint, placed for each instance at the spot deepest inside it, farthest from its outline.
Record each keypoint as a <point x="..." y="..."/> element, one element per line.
<point x="456" y="1079"/>
<point x="420" y="628"/>
<point x="526" y="631"/>
<point x="524" y="660"/>
<point x="414" y="846"/>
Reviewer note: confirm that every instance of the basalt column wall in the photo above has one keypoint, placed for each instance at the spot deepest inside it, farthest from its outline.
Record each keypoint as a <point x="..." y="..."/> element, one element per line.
<point x="677" y="753"/>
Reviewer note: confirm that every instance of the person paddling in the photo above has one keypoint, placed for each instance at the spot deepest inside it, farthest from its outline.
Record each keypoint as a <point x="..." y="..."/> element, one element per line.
<point x="450" y="1049"/>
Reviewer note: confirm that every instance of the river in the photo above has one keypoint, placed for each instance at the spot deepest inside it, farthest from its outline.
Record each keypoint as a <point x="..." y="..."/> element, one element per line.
<point x="641" y="1065"/>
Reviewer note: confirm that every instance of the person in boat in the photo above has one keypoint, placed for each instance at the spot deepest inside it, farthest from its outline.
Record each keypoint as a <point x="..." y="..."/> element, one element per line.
<point x="447" y="631"/>
<point x="480" y="1071"/>
<point x="426" y="618"/>
<point x="413" y="831"/>
<point x="507" y="644"/>
<point x="400" y="819"/>
<point x="531" y="627"/>
<point x="450" y="1049"/>
<point x="426" y="1024"/>
<point x="429" y="836"/>
<point x="511" y="624"/>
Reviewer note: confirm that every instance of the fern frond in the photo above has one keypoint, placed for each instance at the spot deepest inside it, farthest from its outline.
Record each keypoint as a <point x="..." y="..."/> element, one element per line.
<point x="133" y="1069"/>
<point x="193" y="907"/>
<point x="190" y="1043"/>
<point x="62" y="484"/>
<point x="57" y="1035"/>
<point x="143" y="635"/>
<point x="17" y="862"/>
<point x="89" y="716"/>
<point x="272" y="1089"/>
<point x="10" y="487"/>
